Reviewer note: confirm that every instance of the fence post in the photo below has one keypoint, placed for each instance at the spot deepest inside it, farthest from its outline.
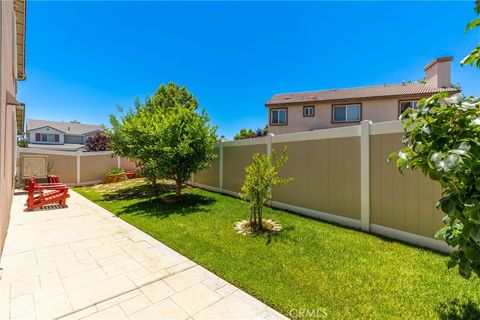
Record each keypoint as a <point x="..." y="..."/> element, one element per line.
<point x="220" y="166"/>
<point x="78" y="167"/>
<point x="269" y="144"/>
<point x="269" y="154"/>
<point x="118" y="162"/>
<point x="365" y="175"/>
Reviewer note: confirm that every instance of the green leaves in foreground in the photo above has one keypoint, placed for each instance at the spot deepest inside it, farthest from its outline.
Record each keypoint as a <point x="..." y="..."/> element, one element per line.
<point x="442" y="139"/>
<point x="473" y="58"/>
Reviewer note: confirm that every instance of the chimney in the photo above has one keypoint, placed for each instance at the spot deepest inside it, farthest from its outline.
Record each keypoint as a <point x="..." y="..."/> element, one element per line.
<point x="437" y="73"/>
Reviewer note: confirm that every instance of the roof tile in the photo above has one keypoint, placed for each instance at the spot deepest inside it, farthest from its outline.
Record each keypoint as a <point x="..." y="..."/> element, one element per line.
<point x="383" y="91"/>
<point x="71" y="128"/>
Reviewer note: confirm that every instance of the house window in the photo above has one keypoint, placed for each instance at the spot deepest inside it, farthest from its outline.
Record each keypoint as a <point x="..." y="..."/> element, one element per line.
<point x="278" y="116"/>
<point x="346" y="113"/>
<point x="404" y="105"/>
<point x="308" y="111"/>
<point x="47" y="137"/>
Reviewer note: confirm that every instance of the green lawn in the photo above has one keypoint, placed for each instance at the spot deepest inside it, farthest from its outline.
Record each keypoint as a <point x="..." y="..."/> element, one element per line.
<point x="311" y="265"/>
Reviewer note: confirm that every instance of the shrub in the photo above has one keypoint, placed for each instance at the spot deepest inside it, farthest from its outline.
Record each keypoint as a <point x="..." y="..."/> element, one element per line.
<point x="98" y="142"/>
<point x="114" y="171"/>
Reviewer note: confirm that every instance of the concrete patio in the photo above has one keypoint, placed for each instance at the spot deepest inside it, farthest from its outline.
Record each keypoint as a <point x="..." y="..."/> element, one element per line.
<point x="82" y="262"/>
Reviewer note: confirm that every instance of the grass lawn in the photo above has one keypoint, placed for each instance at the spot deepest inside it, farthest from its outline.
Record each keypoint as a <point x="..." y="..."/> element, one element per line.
<point x="311" y="265"/>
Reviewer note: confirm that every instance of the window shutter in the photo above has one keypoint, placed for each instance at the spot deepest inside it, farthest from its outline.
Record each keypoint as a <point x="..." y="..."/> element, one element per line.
<point x="37" y="137"/>
<point x="57" y="137"/>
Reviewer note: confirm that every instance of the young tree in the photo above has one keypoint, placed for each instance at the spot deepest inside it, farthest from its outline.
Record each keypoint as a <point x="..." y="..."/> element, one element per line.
<point x="98" y="142"/>
<point x="260" y="177"/>
<point x="442" y="139"/>
<point x="166" y="136"/>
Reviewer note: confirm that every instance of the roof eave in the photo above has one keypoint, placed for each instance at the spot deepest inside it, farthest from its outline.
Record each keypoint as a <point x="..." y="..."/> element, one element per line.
<point x="274" y="104"/>
<point x="28" y="130"/>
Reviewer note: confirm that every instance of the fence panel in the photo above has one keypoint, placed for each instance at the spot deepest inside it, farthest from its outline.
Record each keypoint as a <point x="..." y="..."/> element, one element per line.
<point x="326" y="175"/>
<point x="235" y="159"/>
<point x="63" y="164"/>
<point x="94" y="167"/>
<point x="211" y="176"/>
<point x="127" y="164"/>
<point x="402" y="202"/>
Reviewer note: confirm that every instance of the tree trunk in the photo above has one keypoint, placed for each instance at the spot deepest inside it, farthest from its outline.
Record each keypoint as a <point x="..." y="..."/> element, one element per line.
<point x="260" y="224"/>
<point x="178" y="189"/>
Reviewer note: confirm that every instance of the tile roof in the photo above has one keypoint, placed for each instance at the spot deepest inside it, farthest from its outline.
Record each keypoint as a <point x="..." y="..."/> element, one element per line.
<point x="382" y="91"/>
<point x="71" y="128"/>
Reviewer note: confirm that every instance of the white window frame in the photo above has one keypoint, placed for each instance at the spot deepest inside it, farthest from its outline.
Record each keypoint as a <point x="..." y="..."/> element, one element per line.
<point x="306" y="112"/>
<point x="415" y="105"/>
<point x="347" y="106"/>
<point x="52" y="135"/>
<point x="278" y="123"/>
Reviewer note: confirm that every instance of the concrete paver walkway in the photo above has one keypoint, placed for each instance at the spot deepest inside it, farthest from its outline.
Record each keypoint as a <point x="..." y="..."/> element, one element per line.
<point x="82" y="262"/>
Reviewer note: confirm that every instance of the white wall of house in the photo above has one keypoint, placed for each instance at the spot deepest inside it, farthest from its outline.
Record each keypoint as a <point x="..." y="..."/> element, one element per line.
<point x="46" y="130"/>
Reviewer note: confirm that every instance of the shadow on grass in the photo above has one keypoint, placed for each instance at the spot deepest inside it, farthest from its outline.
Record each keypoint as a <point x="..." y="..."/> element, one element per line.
<point x="166" y="205"/>
<point x="456" y="309"/>
<point x="142" y="191"/>
<point x="159" y="201"/>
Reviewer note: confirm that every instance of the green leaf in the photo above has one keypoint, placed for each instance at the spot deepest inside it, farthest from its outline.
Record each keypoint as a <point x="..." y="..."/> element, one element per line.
<point x="391" y="156"/>
<point x="473" y="58"/>
<point x="472" y="24"/>
<point x="465" y="269"/>
<point x="475" y="233"/>
<point x="472" y="253"/>
<point x="451" y="264"/>
<point x="475" y="217"/>
<point x="477" y="184"/>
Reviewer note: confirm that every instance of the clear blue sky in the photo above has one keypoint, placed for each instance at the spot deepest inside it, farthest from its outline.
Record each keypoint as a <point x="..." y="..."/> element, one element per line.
<point x="85" y="58"/>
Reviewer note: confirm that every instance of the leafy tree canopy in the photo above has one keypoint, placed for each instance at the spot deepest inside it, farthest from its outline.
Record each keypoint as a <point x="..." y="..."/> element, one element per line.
<point x="166" y="135"/>
<point x="249" y="133"/>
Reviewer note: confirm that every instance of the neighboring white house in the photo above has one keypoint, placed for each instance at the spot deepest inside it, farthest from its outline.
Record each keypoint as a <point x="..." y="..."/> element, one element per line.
<point x="66" y="136"/>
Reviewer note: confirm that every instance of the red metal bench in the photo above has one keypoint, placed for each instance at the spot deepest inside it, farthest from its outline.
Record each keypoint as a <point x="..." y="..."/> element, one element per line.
<point x="42" y="194"/>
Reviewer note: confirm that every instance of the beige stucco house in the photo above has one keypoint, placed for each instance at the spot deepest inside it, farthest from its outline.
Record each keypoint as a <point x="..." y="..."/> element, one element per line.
<point x="12" y="59"/>
<point x="306" y="111"/>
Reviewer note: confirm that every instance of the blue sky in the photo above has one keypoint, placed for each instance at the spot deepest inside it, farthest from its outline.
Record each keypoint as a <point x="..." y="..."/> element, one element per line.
<point x="86" y="58"/>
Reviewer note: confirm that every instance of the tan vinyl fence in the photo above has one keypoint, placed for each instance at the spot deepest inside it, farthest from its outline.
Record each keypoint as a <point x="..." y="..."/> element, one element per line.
<point x="77" y="168"/>
<point x="340" y="175"/>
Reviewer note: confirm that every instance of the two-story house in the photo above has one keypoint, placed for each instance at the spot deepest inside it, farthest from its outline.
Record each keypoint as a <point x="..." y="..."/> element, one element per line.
<point x="55" y="135"/>
<point x="306" y="111"/>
